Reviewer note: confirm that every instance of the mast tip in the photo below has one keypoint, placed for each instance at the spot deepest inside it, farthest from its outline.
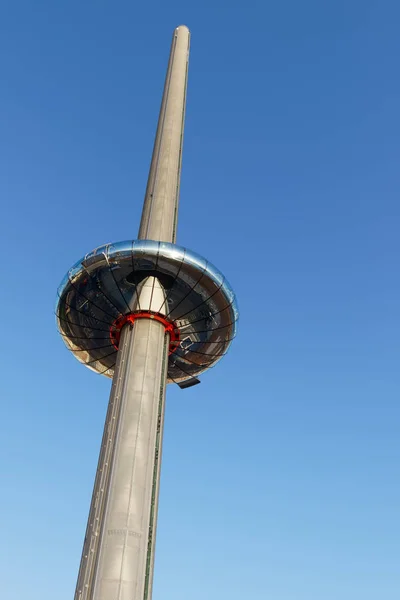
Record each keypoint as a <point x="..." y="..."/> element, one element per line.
<point x="182" y="28"/>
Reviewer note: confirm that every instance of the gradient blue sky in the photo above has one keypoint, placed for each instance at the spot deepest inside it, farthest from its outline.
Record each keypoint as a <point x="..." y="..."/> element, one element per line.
<point x="281" y="470"/>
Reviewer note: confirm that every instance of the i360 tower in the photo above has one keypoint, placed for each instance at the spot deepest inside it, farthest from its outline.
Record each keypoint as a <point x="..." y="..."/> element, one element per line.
<point x="146" y="313"/>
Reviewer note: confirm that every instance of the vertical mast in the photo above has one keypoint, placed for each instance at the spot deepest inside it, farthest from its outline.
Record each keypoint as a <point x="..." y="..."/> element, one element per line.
<point x="160" y="209"/>
<point x="118" y="552"/>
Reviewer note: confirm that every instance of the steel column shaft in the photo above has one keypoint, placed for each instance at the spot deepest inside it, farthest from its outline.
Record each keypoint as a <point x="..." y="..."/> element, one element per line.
<point x="160" y="210"/>
<point x="118" y="554"/>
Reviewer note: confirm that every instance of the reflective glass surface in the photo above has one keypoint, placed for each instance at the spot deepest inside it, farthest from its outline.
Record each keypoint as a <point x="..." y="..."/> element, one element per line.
<point x="103" y="286"/>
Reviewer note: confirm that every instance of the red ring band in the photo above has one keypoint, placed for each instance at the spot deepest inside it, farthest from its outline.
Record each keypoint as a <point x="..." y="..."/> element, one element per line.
<point x="169" y="326"/>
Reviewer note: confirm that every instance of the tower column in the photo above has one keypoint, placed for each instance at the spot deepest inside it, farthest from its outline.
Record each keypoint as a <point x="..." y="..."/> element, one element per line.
<point x="160" y="209"/>
<point x="118" y="558"/>
<point x="118" y="554"/>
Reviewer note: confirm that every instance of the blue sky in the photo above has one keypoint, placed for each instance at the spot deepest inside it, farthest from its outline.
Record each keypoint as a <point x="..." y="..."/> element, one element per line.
<point x="281" y="470"/>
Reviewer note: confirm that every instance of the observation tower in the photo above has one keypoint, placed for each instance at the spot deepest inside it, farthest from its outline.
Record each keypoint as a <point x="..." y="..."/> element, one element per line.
<point x="145" y="313"/>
